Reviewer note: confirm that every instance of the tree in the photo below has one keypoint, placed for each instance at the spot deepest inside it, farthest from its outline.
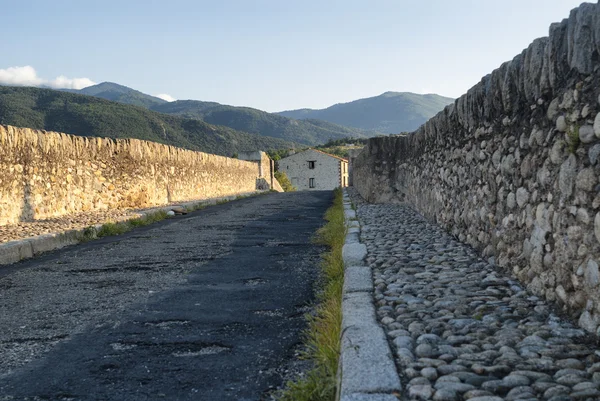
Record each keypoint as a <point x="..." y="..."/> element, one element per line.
<point x="284" y="181"/>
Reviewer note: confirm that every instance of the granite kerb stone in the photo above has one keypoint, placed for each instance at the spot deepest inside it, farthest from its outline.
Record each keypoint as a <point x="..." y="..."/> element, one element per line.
<point x="13" y="251"/>
<point x="349" y="214"/>
<point x="358" y="279"/>
<point x="354" y="253"/>
<point x="352" y="237"/>
<point x="369" y="397"/>
<point x="49" y="242"/>
<point x="366" y="367"/>
<point x="366" y="362"/>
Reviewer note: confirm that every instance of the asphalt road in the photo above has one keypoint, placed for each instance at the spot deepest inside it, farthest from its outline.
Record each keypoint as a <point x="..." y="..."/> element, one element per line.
<point x="209" y="306"/>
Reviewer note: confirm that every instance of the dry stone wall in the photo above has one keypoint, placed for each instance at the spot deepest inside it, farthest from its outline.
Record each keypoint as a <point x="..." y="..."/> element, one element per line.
<point x="49" y="174"/>
<point x="512" y="167"/>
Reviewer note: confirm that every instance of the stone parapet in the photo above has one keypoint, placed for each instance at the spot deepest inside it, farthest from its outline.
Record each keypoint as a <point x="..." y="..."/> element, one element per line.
<point x="49" y="174"/>
<point x="511" y="167"/>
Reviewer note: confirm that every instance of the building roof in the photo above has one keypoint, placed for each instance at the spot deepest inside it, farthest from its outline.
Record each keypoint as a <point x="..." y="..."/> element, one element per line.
<point x="325" y="153"/>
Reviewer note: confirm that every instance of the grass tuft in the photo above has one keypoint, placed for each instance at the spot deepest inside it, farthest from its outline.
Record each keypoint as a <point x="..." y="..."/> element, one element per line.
<point x="89" y="233"/>
<point x="111" y="228"/>
<point x="148" y="219"/>
<point x="573" y="139"/>
<point x="322" y="337"/>
<point x="122" y="227"/>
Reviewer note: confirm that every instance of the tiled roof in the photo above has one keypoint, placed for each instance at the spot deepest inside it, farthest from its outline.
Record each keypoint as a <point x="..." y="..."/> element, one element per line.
<point x="329" y="154"/>
<point x="325" y="153"/>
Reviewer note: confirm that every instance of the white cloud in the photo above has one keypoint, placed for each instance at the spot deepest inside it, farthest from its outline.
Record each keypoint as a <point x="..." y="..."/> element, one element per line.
<point x="27" y="76"/>
<point x="70" y="83"/>
<point x="166" y="97"/>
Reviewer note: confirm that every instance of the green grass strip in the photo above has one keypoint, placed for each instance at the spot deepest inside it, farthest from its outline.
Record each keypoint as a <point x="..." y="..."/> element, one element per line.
<point x="118" y="228"/>
<point x="323" y="334"/>
<point x="122" y="227"/>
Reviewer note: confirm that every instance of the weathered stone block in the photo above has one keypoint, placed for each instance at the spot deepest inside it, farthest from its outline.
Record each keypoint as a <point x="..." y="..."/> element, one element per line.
<point x="358" y="279"/>
<point x="354" y="253"/>
<point x="14" y="251"/>
<point x="366" y="364"/>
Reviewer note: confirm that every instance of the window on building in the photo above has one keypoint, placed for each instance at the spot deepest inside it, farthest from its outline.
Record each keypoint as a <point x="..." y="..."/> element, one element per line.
<point x="311" y="182"/>
<point x="311" y="164"/>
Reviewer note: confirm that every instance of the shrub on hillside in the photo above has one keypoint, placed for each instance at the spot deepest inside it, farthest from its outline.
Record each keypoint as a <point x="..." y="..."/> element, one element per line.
<point x="284" y="181"/>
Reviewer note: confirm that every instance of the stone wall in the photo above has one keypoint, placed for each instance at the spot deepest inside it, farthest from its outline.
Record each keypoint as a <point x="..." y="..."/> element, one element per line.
<point x="266" y="169"/>
<point x="512" y="166"/>
<point x="49" y="174"/>
<point x="352" y="154"/>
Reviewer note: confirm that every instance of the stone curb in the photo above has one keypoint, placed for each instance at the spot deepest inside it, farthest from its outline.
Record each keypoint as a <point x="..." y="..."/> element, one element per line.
<point x="15" y="251"/>
<point x="358" y="279"/>
<point x="349" y="214"/>
<point x="353" y="253"/>
<point x="366" y="369"/>
<point x="369" y="397"/>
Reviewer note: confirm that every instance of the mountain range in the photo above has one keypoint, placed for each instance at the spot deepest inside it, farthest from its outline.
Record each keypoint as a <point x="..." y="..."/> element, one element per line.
<point x="114" y="110"/>
<point x="308" y="132"/>
<point x="253" y="121"/>
<point x="390" y="112"/>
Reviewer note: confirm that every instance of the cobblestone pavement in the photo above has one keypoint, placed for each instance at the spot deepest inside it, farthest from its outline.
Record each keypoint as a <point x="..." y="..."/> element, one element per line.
<point x="459" y="328"/>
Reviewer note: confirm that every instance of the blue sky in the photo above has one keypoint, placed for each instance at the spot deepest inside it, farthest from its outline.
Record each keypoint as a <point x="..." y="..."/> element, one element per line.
<point x="270" y="54"/>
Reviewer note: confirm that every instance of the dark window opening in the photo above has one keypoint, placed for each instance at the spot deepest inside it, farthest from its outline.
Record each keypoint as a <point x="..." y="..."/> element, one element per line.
<point x="311" y="182"/>
<point x="311" y="164"/>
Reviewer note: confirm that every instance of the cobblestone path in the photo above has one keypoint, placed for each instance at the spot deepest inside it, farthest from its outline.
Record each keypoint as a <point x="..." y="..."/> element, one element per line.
<point x="460" y="329"/>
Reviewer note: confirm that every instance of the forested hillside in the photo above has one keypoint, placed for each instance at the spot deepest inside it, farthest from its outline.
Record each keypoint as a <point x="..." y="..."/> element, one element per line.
<point x="90" y="116"/>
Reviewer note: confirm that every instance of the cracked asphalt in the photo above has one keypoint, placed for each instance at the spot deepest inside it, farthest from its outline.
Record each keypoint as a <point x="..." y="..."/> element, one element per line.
<point x="208" y="306"/>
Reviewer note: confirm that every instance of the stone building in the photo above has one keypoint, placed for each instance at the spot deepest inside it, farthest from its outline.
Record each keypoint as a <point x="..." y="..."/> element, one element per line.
<point x="313" y="170"/>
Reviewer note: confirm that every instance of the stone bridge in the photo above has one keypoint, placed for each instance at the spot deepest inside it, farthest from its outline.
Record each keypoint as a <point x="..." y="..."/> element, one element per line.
<point x="471" y="263"/>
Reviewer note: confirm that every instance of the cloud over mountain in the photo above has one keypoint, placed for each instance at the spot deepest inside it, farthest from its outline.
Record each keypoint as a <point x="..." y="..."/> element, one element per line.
<point x="27" y="76"/>
<point x="166" y="97"/>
